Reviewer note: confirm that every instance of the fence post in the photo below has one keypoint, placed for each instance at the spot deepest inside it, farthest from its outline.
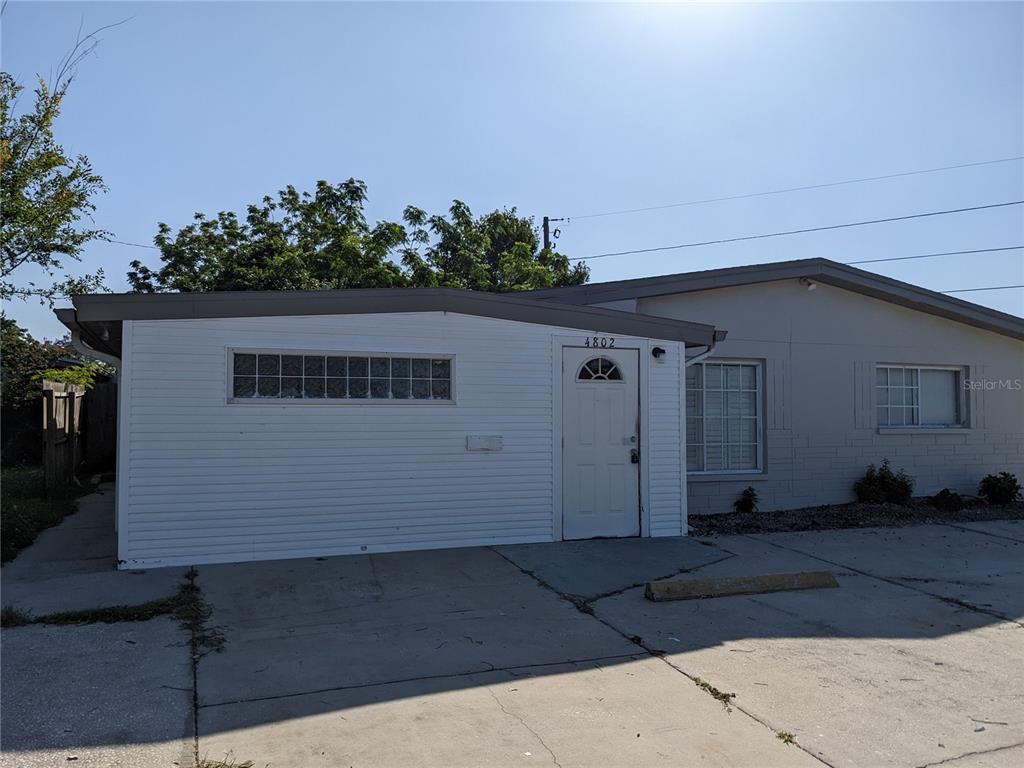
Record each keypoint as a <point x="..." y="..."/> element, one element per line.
<point x="61" y="433"/>
<point x="49" y="439"/>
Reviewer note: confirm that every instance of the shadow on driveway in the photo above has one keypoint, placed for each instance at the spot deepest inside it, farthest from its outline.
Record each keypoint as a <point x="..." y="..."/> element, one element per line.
<point x="510" y="655"/>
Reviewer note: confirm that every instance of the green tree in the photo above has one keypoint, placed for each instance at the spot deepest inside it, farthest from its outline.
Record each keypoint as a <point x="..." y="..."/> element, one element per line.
<point x="22" y="360"/>
<point x="322" y="240"/>
<point x="300" y="241"/>
<point x="44" y="193"/>
<point x="498" y="251"/>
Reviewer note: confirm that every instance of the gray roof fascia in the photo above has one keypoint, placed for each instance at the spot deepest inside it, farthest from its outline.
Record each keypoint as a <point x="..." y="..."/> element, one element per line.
<point x="93" y="310"/>
<point x="822" y="270"/>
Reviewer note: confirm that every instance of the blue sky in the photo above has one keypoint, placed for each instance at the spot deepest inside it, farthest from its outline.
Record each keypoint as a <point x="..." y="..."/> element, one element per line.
<point x="562" y="110"/>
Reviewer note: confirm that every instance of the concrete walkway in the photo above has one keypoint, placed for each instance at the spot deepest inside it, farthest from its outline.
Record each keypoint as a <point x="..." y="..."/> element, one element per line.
<point x="547" y="655"/>
<point x="71" y="566"/>
<point x="100" y="694"/>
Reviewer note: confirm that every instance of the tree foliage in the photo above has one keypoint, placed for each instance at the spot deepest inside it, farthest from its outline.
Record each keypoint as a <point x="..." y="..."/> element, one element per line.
<point x="322" y="240"/>
<point x="22" y="360"/>
<point x="26" y="361"/>
<point x="498" y="251"/>
<point x="44" y="194"/>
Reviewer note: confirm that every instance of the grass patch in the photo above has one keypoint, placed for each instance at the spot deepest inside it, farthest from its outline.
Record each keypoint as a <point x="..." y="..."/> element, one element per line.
<point x="722" y="696"/>
<point x="786" y="737"/>
<point x="25" y="510"/>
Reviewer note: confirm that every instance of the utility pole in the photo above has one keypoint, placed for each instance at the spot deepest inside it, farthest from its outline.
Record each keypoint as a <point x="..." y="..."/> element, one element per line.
<point x="548" y="233"/>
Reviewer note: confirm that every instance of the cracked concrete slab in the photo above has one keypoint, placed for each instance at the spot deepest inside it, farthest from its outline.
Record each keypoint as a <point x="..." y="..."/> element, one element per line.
<point x="96" y="696"/>
<point x="1010" y="529"/>
<point x="637" y="713"/>
<point x="1004" y="757"/>
<point x="587" y="569"/>
<point x="872" y="673"/>
<point x="306" y="625"/>
<point x="966" y="565"/>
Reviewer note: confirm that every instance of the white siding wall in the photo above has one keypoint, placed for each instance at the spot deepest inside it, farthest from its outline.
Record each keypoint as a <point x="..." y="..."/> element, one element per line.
<point x="666" y="451"/>
<point x="204" y="480"/>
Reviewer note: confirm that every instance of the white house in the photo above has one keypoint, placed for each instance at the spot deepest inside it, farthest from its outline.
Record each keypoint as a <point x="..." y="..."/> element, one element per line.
<point x="292" y="424"/>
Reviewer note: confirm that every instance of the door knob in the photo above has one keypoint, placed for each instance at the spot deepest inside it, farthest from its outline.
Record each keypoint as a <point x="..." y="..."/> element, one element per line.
<point x="634" y="456"/>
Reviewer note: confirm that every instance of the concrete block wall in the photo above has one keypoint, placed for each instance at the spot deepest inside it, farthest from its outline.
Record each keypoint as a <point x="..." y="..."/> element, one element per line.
<point x="819" y="351"/>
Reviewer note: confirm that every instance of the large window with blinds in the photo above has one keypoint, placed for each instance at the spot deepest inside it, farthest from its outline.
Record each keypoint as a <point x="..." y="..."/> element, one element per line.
<point x="723" y="417"/>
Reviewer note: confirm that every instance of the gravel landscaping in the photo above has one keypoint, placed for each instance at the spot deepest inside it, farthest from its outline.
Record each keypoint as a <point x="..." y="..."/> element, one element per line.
<point x="853" y="515"/>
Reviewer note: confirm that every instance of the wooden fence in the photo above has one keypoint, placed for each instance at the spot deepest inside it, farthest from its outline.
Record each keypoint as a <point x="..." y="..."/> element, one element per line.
<point x="100" y="422"/>
<point x="62" y="426"/>
<point x="79" y="430"/>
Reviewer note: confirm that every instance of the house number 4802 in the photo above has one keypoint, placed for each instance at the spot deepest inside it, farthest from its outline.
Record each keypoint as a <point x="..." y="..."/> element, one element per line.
<point x="604" y="342"/>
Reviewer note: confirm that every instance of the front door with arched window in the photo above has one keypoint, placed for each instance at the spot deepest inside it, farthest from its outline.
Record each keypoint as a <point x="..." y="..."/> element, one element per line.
<point x="600" y="443"/>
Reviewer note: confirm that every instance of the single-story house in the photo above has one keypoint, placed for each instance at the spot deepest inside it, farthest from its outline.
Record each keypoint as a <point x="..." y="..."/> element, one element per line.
<point x="293" y="424"/>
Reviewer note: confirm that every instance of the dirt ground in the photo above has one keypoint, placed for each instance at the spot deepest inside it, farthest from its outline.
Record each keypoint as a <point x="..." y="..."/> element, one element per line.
<point x="853" y="515"/>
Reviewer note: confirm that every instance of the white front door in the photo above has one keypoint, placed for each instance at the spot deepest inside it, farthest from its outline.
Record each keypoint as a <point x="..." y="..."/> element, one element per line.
<point x="600" y="442"/>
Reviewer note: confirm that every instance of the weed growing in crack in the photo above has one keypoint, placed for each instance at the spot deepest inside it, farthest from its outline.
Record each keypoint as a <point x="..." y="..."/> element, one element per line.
<point x="722" y="696"/>
<point x="186" y="606"/>
<point x="227" y="762"/>
<point x="786" y="737"/>
<point x="192" y="612"/>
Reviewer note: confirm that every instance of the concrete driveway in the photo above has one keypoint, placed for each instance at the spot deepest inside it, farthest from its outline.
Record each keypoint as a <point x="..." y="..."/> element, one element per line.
<point x="550" y="655"/>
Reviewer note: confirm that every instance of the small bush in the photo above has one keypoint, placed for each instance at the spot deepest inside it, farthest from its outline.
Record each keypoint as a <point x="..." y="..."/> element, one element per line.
<point x="13" y="617"/>
<point x="83" y="375"/>
<point x="747" y="502"/>
<point x="881" y="484"/>
<point x="947" y="501"/>
<point x="1000" y="489"/>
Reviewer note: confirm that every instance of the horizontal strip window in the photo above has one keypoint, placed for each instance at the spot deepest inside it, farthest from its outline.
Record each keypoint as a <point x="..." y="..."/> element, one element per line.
<point x="274" y="376"/>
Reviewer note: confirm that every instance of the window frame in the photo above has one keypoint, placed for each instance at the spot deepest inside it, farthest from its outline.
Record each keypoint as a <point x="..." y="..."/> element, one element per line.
<point x="230" y="399"/>
<point x="962" y="404"/>
<point x="759" y="401"/>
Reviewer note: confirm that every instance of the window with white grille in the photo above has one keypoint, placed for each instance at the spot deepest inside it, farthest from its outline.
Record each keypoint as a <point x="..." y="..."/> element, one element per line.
<point x="304" y="376"/>
<point x="723" y="417"/>
<point x="915" y="396"/>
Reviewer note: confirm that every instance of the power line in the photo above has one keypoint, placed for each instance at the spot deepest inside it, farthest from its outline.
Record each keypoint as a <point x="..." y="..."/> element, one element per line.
<point x="135" y="245"/>
<point x="990" y="288"/>
<point x="798" y="231"/>
<point x="791" y="189"/>
<point x="930" y="255"/>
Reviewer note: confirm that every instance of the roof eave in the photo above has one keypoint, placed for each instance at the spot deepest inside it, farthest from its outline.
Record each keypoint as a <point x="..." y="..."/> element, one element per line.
<point x="94" y="311"/>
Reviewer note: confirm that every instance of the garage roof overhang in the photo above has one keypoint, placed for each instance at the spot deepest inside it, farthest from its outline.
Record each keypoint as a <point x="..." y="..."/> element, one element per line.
<point x="98" y="317"/>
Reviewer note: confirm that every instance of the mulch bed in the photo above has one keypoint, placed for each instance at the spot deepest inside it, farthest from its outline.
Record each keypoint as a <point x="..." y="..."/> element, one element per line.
<point x="852" y="515"/>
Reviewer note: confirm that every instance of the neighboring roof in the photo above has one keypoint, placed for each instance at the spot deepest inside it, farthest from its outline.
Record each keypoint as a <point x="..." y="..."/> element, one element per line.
<point x="98" y="316"/>
<point x="821" y="270"/>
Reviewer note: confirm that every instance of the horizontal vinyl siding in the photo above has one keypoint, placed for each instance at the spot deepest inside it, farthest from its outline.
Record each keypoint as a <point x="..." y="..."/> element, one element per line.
<point x="666" y="425"/>
<point x="210" y="481"/>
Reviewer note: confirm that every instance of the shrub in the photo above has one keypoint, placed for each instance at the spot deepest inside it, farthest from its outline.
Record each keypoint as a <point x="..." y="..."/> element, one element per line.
<point x="23" y="358"/>
<point x="947" y="501"/>
<point x="881" y="484"/>
<point x="1000" y="489"/>
<point x="747" y="502"/>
